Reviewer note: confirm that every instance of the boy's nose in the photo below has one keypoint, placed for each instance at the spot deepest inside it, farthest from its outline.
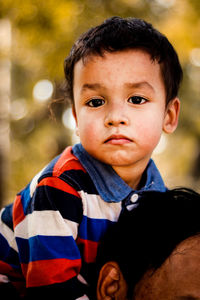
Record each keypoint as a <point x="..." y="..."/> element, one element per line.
<point x="116" y="119"/>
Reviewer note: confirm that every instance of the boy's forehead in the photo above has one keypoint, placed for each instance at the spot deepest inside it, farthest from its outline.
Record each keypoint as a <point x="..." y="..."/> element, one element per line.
<point x="127" y="56"/>
<point x="104" y="54"/>
<point x="133" y="65"/>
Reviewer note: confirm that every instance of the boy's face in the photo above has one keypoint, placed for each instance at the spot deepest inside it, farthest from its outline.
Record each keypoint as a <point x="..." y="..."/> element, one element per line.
<point x="120" y="108"/>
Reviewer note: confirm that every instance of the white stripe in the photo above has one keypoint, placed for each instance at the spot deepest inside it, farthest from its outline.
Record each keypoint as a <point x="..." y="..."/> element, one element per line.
<point x="84" y="297"/>
<point x="47" y="223"/>
<point x="7" y="233"/>
<point x="4" y="279"/>
<point x="34" y="182"/>
<point x="95" y="207"/>
<point x="82" y="279"/>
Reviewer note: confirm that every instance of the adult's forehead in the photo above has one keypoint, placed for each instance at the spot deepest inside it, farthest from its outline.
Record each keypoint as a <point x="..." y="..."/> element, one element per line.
<point x="185" y="268"/>
<point x="177" y="278"/>
<point x="189" y="246"/>
<point x="186" y="256"/>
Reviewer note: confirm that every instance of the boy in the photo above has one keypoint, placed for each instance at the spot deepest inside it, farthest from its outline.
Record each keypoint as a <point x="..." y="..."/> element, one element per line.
<point x="122" y="78"/>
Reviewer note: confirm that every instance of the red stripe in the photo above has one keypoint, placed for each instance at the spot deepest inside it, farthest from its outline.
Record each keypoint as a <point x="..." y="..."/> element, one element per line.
<point x="90" y="250"/>
<point x="66" y="162"/>
<point x="58" y="184"/>
<point x="9" y="271"/>
<point x="17" y="278"/>
<point x="45" y="272"/>
<point x="18" y="212"/>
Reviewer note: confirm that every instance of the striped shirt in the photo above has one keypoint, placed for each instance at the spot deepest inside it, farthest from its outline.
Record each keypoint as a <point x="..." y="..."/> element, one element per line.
<point x="49" y="236"/>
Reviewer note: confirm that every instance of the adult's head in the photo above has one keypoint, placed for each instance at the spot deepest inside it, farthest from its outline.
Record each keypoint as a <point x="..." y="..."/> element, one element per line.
<point x="153" y="252"/>
<point x="118" y="34"/>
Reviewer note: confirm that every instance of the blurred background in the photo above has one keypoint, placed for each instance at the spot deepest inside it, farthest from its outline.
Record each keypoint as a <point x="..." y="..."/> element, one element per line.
<point x="35" y="38"/>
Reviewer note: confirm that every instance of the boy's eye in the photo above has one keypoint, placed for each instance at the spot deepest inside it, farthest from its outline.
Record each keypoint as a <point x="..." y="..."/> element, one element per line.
<point x="95" y="102"/>
<point x="137" y="100"/>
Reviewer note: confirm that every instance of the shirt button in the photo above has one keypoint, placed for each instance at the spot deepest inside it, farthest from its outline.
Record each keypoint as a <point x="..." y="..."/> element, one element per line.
<point x="134" y="198"/>
<point x="131" y="206"/>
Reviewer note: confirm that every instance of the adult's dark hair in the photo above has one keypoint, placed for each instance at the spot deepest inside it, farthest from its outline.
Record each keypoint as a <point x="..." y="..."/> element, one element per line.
<point x="144" y="237"/>
<point x="116" y="34"/>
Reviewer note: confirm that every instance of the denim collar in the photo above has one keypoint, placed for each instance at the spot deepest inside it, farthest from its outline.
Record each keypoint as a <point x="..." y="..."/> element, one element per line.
<point x="110" y="186"/>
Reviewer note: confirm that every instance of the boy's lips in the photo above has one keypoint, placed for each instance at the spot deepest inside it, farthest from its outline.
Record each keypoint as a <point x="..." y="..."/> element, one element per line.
<point x="116" y="139"/>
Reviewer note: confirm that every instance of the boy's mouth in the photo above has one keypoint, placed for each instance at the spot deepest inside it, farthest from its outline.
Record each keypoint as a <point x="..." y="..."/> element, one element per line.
<point x="116" y="139"/>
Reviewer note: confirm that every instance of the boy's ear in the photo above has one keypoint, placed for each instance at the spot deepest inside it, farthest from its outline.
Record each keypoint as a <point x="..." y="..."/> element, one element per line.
<point x="111" y="283"/>
<point x="171" y="116"/>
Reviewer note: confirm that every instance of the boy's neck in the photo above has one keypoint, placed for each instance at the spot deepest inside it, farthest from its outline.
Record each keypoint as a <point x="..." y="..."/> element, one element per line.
<point x="131" y="175"/>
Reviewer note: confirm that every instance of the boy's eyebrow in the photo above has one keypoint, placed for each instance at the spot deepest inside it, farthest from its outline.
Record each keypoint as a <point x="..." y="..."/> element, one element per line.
<point x="91" y="86"/>
<point x="96" y="86"/>
<point x="139" y="84"/>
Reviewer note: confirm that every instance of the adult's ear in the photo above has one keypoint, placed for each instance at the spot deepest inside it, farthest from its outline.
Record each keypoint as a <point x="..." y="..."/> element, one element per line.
<point x="171" y="116"/>
<point x="111" y="283"/>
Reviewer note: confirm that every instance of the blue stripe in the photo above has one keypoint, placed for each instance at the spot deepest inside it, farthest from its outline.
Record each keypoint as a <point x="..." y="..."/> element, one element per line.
<point x="4" y="249"/>
<point x="48" y="171"/>
<point x="47" y="247"/>
<point x="93" y="229"/>
<point x="8" y="254"/>
<point x="7" y="216"/>
<point x="25" y="193"/>
<point x="25" y="198"/>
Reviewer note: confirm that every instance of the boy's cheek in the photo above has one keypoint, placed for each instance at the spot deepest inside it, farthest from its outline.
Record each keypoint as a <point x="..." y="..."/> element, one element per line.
<point x="88" y="132"/>
<point x="149" y="137"/>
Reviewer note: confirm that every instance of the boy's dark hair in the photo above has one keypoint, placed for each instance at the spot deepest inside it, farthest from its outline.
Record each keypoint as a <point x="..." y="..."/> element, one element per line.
<point x="116" y="34"/>
<point x="144" y="237"/>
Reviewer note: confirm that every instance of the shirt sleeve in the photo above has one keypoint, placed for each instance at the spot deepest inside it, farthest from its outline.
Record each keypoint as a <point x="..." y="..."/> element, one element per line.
<point x="46" y="227"/>
<point x="10" y="268"/>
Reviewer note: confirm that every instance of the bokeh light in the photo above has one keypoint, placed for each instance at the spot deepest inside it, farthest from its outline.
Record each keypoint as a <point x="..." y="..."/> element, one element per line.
<point x="43" y="90"/>
<point x="195" y="57"/>
<point x="18" y="109"/>
<point x="68" y="119"/>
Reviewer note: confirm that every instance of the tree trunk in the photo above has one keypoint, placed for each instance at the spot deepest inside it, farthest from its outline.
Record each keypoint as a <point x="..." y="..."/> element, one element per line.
<point x="5" y="84"/>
